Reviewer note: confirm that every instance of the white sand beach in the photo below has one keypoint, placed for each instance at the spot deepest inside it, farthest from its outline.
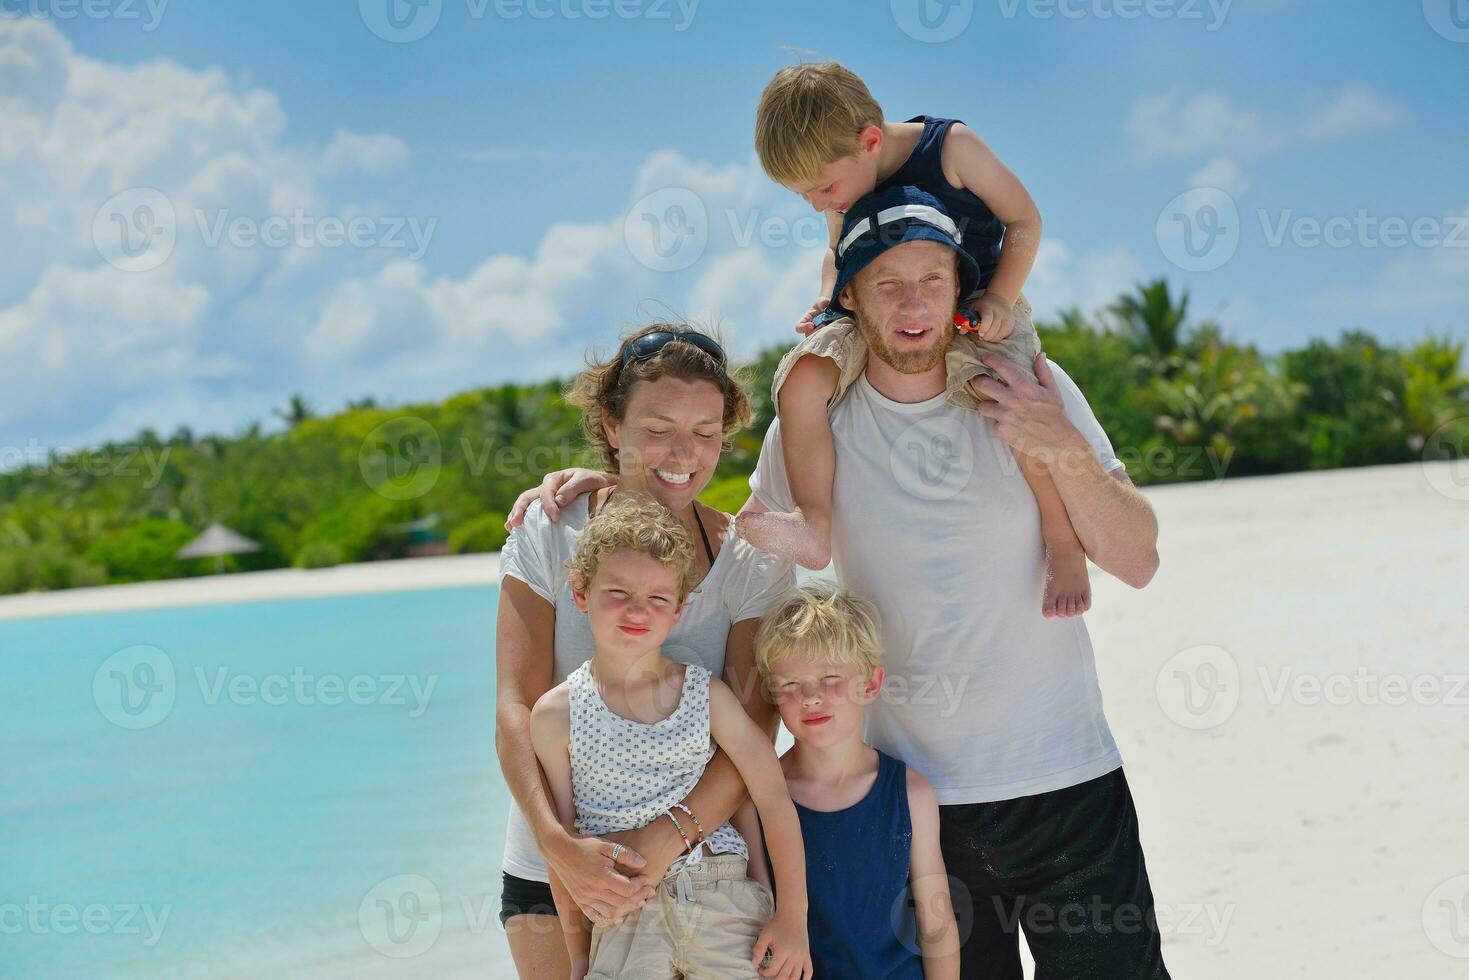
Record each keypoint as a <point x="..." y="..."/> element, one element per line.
<point x="1325" y="826"/>
<point x="1288" y="695"/>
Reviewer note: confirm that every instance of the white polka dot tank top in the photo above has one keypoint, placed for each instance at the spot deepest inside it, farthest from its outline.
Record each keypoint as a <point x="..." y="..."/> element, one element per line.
<point x="625" y="774"/>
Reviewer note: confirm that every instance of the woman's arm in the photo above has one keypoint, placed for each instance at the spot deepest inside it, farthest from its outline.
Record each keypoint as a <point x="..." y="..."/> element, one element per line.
<point x="714" y="800"/>
<point x="524" y="639"/>
<point x="550" y="725"/>
<point x="741" y="674"/>
<point x="743" y="677"/>
<point x="557" y="489"/>
<point x="938" y="935"/>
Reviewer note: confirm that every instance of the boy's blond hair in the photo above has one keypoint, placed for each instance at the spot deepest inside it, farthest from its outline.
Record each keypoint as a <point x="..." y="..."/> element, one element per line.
<point x="635" y="522"/>
<point x="809" y="116"/>
<point x="824" y="623"/>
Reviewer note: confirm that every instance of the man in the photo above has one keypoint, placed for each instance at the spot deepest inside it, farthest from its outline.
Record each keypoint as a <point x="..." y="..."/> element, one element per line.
<point x="999" y="706"/>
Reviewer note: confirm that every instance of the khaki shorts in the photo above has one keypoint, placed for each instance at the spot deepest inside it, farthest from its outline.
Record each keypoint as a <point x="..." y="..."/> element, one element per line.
<point x="842" y="342"/>
<point x="709" y="932"/>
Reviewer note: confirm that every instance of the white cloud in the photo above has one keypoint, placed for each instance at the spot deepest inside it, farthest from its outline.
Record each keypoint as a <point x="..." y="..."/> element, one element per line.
<point x="1421" y="282"/>
<point x="113" y="346"/>
<point x="372" y="153"/>
<point x="78" y="131"/>
<point x="583" y="282"/>
<point x="1224" y="174"/>
<point x="1352" y="111"/>
<point x="1172" y="125"/>
<point x="1060" y="281"/>
<point x="83" y="329"/>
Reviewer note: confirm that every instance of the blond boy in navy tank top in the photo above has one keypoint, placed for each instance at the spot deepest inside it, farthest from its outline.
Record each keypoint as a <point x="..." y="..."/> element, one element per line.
<point x="878" y="892"/>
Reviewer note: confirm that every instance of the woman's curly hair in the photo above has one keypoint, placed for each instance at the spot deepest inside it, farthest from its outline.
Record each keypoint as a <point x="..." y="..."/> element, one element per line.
<point x="602" y="391"/>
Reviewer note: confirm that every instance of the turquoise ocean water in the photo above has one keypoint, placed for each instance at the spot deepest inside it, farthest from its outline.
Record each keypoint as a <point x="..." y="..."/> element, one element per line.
<point x="289" y="788"/>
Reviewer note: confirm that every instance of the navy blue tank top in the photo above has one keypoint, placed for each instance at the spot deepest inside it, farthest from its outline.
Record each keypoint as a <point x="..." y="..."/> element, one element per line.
<point x="924" y="169"/>
<point x="860" y="912"/>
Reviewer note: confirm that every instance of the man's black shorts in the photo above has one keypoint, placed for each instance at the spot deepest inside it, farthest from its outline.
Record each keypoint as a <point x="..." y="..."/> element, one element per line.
<point x="1067" y="868"/>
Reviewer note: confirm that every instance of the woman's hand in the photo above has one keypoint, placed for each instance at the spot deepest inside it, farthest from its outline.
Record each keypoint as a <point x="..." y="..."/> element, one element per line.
<point x="654" y="845"/>
<point x="596" y="882"/>
<point x="784" y="937"/>
<point x="560" y="487"/>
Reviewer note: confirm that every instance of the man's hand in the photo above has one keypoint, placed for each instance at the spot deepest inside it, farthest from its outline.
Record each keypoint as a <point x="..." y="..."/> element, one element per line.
<point x="1029" y="416"/>
<point x="606" y="890"/>
<point x="559" y="488"/>
<point x="996" y="317"/>
<point x="806" y="325"/>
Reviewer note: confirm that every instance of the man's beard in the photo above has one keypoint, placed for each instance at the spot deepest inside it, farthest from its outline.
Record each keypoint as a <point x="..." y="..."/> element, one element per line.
<point x="906" y="362"/>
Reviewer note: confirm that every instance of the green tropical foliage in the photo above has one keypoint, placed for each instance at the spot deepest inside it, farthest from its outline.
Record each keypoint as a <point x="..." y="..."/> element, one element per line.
<point x="1179" y="400"/>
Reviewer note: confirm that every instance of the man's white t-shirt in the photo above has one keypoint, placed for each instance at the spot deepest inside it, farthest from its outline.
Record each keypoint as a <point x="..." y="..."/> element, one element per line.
<point x="744" y="583"/>
<point x="933" y="521"/>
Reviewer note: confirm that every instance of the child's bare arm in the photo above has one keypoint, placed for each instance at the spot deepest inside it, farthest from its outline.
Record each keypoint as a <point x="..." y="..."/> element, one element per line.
<point x="938" y="935"/>
<point x="550" y="729"/>
<point x="748" y="824"/>
<point x="810" y="452"/>
<point x="754" y="756"/>
<point x="828" y="273"/>
<point x="976" y="168"/>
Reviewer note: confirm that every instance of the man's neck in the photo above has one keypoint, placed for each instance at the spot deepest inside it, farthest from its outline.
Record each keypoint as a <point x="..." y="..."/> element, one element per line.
<point x="896" y="386"/>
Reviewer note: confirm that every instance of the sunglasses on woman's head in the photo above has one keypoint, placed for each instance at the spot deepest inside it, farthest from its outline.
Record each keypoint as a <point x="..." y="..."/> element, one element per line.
<point x="651" y="343"/>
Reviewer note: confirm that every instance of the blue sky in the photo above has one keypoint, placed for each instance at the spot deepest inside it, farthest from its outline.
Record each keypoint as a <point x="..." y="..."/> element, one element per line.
<point x="504" y="171"/>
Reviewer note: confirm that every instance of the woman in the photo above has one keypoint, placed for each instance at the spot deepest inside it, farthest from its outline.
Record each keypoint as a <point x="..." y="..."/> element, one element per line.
<point x="660" y="413"/>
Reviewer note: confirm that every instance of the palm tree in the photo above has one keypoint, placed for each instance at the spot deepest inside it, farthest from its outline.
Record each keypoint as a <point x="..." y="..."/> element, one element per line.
<point x="298" y="411"/>
<point x="1152" y="322"/>
<point x="1434" y="389"/>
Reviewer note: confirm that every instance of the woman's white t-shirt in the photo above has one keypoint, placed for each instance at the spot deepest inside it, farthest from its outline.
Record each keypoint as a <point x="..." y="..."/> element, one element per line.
<point x="743" y="583"/>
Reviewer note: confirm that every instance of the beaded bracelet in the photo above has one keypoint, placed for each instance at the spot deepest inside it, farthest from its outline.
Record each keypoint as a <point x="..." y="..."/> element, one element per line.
<point x="698" y="826"/>
<point x="688" y="845"/>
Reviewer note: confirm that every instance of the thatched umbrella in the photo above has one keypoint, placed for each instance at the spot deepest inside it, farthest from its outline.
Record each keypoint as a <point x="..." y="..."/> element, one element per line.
<point x="216" y="541"/>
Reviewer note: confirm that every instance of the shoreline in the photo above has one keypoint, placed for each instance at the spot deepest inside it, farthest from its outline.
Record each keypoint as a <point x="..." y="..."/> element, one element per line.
<point x="394" y="575"/>
<point x="1319" y="488"/>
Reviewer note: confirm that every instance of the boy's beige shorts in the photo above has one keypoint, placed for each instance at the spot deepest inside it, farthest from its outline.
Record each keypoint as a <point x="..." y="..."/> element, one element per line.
<point x="842" y="341"/>
<point x="712" y="936"/>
